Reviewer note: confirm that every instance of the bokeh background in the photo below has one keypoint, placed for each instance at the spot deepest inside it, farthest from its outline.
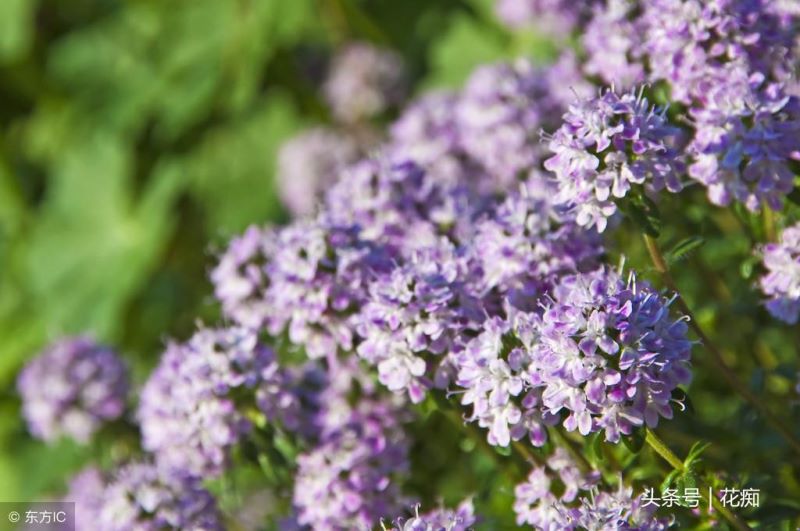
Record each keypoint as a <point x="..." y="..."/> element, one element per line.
<point x="138" y="136"/>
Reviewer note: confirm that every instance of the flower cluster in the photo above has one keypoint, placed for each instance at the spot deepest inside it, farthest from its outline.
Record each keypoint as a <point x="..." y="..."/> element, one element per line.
<point x="189" y="410"/>
<point x="605" y="355"/>
<point x="731" y="63"/>
<point x="527" y="244"/>
<point x="364" y="81"/>
<point x="462" y="518"/>
<point x="307" y="279"/>
<point x="559" y="496"/>
<point x="140" y="496"/>
<point x="606" y="145"/>
<point x="556" y="17"/>
<point x="72" y="388"/>
<point x="781" y="283"/>
<point x="309" y="163"/>
<point x="504" y="106"/>
<point x="611" y="41"/>
<point x="348" y="481"/>
<point x="610" y="354"/>
<point x="421" y="307"/>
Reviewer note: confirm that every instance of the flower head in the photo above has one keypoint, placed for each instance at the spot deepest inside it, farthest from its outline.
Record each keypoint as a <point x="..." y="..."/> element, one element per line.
<point x="503" y="108"/>
<point x="781" y="283"/>
<point x="462" y="518"/>
<point x="607" y="145"/>
<point x="310" y="163"/>
<point x="364" y="81"/>
<point x="140" y="496"/>
<point x="189" y="409"/>
<point x="610" y="354"/>
<point x="72" y="388"/>
<point x="348" y="481"/>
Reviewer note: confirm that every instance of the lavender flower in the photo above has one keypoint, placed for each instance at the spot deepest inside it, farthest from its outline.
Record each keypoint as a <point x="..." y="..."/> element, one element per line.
<point x="579" y="503"/>
<point x="459" y="519"/>
<point x="744" y="143"/>
<point x="348" y="480"/>
<point x="141" y="497"/>
<point x="419" y="309"/>
<point x="307" y="278"/>
<point x="189" y="408"/>
<point x="363" y="82"/>
<point x="526" y="244"/>
<point x="609" y="355"/>
<point x="71" y="389"/>
<point x="694" y="44"/>
<point x="503" y="108"/>
<point x="399" y="204"/>
<point x="309" y="163"/>
<point x="781" y="283"/>
<point x="427" y="133"/>
<point x="557" y="18"/>
<point x="493" y="369"/>
<point x="607" y="145"/>
<point x="86" y="491"/>
<point x="612" y="42"/>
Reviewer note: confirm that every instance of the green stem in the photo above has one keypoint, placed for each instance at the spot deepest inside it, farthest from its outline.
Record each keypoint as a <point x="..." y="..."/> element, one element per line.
<point x="716" y="355"/>
<point x="768" y="218"/>
<point x="675" y="462"/>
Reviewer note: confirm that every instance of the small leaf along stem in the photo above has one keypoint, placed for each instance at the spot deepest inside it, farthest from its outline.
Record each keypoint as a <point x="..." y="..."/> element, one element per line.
<point x="716" y="355"/>
<point x="675" y="462"/>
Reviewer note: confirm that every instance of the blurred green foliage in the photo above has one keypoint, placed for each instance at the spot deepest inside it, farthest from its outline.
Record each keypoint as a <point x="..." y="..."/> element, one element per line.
<point x="137" y="136"/>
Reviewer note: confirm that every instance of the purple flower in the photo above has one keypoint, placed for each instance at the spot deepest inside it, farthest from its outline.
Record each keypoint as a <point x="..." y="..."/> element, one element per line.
<point x="364" y="81"/>
<point x="744" y="143"/>
<point x="493" y="370"/>
<point x="190" y="410"/>
<point x="526" y="244"/>
<point x="86" y="491"/>
<point x="577" y="501"/>
<point x="71" y="389"/>
<point x="398" y="204"/>
<point x="503" y="108"/>
<point x="348" y="481"/>
<point x="781" y="283"/>
<point x="557" y="18"/>
<point x="141" y="497"/>
<point x="609" y="354"/>
<point x="310" y="163"/>
<point x="418" y="310"/>
<point x="612" y="42"/>
<point x="307" y="279"/>
<point x="607" y="145"/>
<point x="694" y="44"/>
<point x="428" y="134"/>
<point x="461" y="518"/>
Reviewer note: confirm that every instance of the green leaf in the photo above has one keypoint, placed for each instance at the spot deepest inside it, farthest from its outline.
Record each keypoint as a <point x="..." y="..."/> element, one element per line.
<point x="643" y="212"/>
<point x="503" y="450"/>
<point x="16" y="28"/>
<point x="684" y="248"/>
<point x="695" y="452"/>
<point x="635" y="441"/>
<point x="669" y="480"/>
<point x="594" y="447"/>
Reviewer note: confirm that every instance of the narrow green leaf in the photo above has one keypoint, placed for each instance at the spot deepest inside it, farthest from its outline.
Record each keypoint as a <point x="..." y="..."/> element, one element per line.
<point x="684" y="248"/>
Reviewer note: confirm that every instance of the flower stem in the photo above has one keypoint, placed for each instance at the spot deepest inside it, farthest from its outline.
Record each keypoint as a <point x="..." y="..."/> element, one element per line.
<point x="675" y="462"/>
<point x="716" y="355"/>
